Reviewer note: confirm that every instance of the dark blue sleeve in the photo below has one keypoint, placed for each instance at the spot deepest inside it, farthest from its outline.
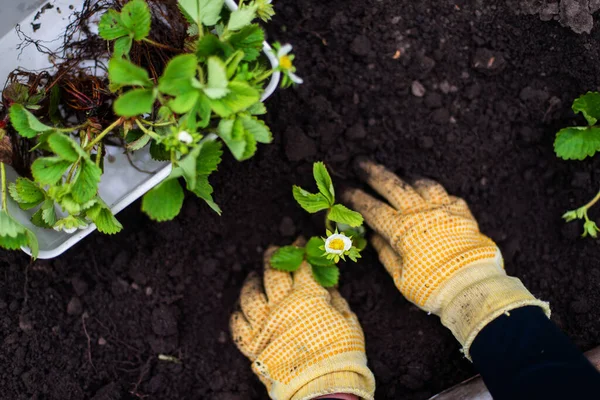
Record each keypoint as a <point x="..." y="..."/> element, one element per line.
<point x="525" y="356"/>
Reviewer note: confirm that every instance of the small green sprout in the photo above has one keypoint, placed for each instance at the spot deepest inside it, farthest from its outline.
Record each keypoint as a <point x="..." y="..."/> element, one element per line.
<point x="345" y="240"/>
<point x="589" y="227"/>
<point x="578" y="143"/>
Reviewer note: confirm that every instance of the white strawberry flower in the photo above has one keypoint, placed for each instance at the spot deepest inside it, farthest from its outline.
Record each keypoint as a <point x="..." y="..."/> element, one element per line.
<point x="185" y="137"/>
<point x="337" y="244"/>
<point x="285" y="63"/>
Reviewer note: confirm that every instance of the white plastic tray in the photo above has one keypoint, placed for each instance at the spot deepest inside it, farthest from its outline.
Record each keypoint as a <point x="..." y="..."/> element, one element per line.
<point x="121" y="183"/>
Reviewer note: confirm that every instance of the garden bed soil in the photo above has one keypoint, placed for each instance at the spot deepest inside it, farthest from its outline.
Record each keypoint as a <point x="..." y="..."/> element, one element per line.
<point x="492" y="89"/>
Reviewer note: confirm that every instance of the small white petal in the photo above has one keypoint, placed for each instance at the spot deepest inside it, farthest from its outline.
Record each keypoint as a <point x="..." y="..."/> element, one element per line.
<point x="338" y="236"/>
<point x="296" y="79"/>
<point x="185" y="137"/>
<point x="284" y="50"/>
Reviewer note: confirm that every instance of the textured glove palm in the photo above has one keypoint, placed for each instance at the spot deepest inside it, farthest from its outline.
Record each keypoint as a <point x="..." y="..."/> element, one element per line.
<point x="303" y="340"/>
<point x="431" y="245"/>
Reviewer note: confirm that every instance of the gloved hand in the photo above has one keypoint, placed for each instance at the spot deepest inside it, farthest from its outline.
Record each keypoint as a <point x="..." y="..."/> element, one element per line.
<point x="303" y="340"/>
<point x="431" y="245"/>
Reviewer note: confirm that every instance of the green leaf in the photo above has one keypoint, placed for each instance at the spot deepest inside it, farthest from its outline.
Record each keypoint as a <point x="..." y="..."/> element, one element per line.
<point x="209" y="45"/>
<point x="135" y="17"/>
<point x="85" y="185"/>
<point x="188" y="167"/>
<point x="589" y="106"/>
<point x="250" y="40"/>
<point x="158" y="152"/>
<point x="239" y="141"/>
<point x="26" y="193"/>
<point x="184" y="102"/>
<point x="64" y="147"/>
<point x="240" y="97"/>
<point x="233" y="62"/>
<point x="257" y="128"/>
<point x="209" y="157"/>
<point x="204" y="191"/>
<point x="110" y="26"/>
<point x="311" y="202"/>
<point x="178" y="75"/>
<point x="326" y="276"/>
<point x="49" y="212"/>
<point x="38" y="220"/>
<point x="344" y="215"/>
<point x="201" y="110"/>
<point x="33" y="244"/>
<point x="74" y="207"/>
<point x="25" y="123"/>
<point x="287" y="258"/>
<point x="217" y="79"/>
<point x="203" y="12"/>
<point x="122" y="46"/>
<point x="122" y="73"/>
<point x="315" y="255"/>
<point x="12" y="234"/>
<point x="164" y="202"/>
<point x="104" y="219"/>
<point x="135" y="102"/>
<point x="49" y="170"/>
<point x="324" y="182"/>
<point x="258" y="109"/>
<point x="577" y="143"/>
<point x="241" y="17"/>
<point x="139" y="143"/>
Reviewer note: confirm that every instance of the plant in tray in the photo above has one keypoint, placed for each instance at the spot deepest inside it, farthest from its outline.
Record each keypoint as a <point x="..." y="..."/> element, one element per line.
<point x="345" y="239"/>
<point x="207" y="92"/>
<point x="578" y="143"/>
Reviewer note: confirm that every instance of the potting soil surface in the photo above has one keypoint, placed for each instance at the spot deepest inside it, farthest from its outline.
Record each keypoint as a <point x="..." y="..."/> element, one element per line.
<point x="465" y="92"/>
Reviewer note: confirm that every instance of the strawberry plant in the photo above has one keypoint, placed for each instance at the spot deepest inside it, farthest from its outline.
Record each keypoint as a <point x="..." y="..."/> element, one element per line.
<point x="345" y="239"/>
<point x="209" y="93"/>
<point x="578" y="143"/>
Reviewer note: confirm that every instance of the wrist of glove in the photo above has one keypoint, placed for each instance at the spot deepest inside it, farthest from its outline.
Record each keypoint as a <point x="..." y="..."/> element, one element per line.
<point x="431" y="245"/>
<point x="477" y="295"/>
<point x="302" y="339"/>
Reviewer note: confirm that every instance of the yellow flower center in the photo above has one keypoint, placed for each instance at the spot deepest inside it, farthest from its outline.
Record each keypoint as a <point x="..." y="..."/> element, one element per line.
<point x="285" y="62"/>
<point x="336" y="244"/>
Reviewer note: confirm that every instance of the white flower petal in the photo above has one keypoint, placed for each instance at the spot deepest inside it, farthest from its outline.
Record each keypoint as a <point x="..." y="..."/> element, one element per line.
<point x="185" y="137"/>
<point x="296" y="79"/>
<point x="284" y="50"/>
<point x="337" y="237"/>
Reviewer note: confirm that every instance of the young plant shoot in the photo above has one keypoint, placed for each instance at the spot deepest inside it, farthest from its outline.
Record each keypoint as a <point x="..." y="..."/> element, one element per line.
<point x="208" y="93"/>
<point x="345" y="239"/>
<point x="578" y="143"/>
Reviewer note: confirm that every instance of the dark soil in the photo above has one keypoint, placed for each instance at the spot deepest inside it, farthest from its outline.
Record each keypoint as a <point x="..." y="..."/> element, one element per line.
<point x="494" y="88"/>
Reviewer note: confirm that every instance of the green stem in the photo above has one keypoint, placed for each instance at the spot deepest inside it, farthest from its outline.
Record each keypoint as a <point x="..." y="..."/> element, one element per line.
<point x="328" y="223"/>
<point x="103" y="133"/>
<point x="264" y="76"/>
<point x="99" y="155"/>
<point x="592" y="202"/>
<point x="161" y="46"/>
<point x="3" y="186"/>
<point x="149" y="123"/>
<point x="146" y="130"/>
<point x="74" y="128"/>
<point x="72" y="170"/>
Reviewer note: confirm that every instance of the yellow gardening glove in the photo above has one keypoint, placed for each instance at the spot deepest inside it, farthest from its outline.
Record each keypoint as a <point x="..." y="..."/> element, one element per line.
<point x="303" y="340"/>
<point x="431" y="245"/>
